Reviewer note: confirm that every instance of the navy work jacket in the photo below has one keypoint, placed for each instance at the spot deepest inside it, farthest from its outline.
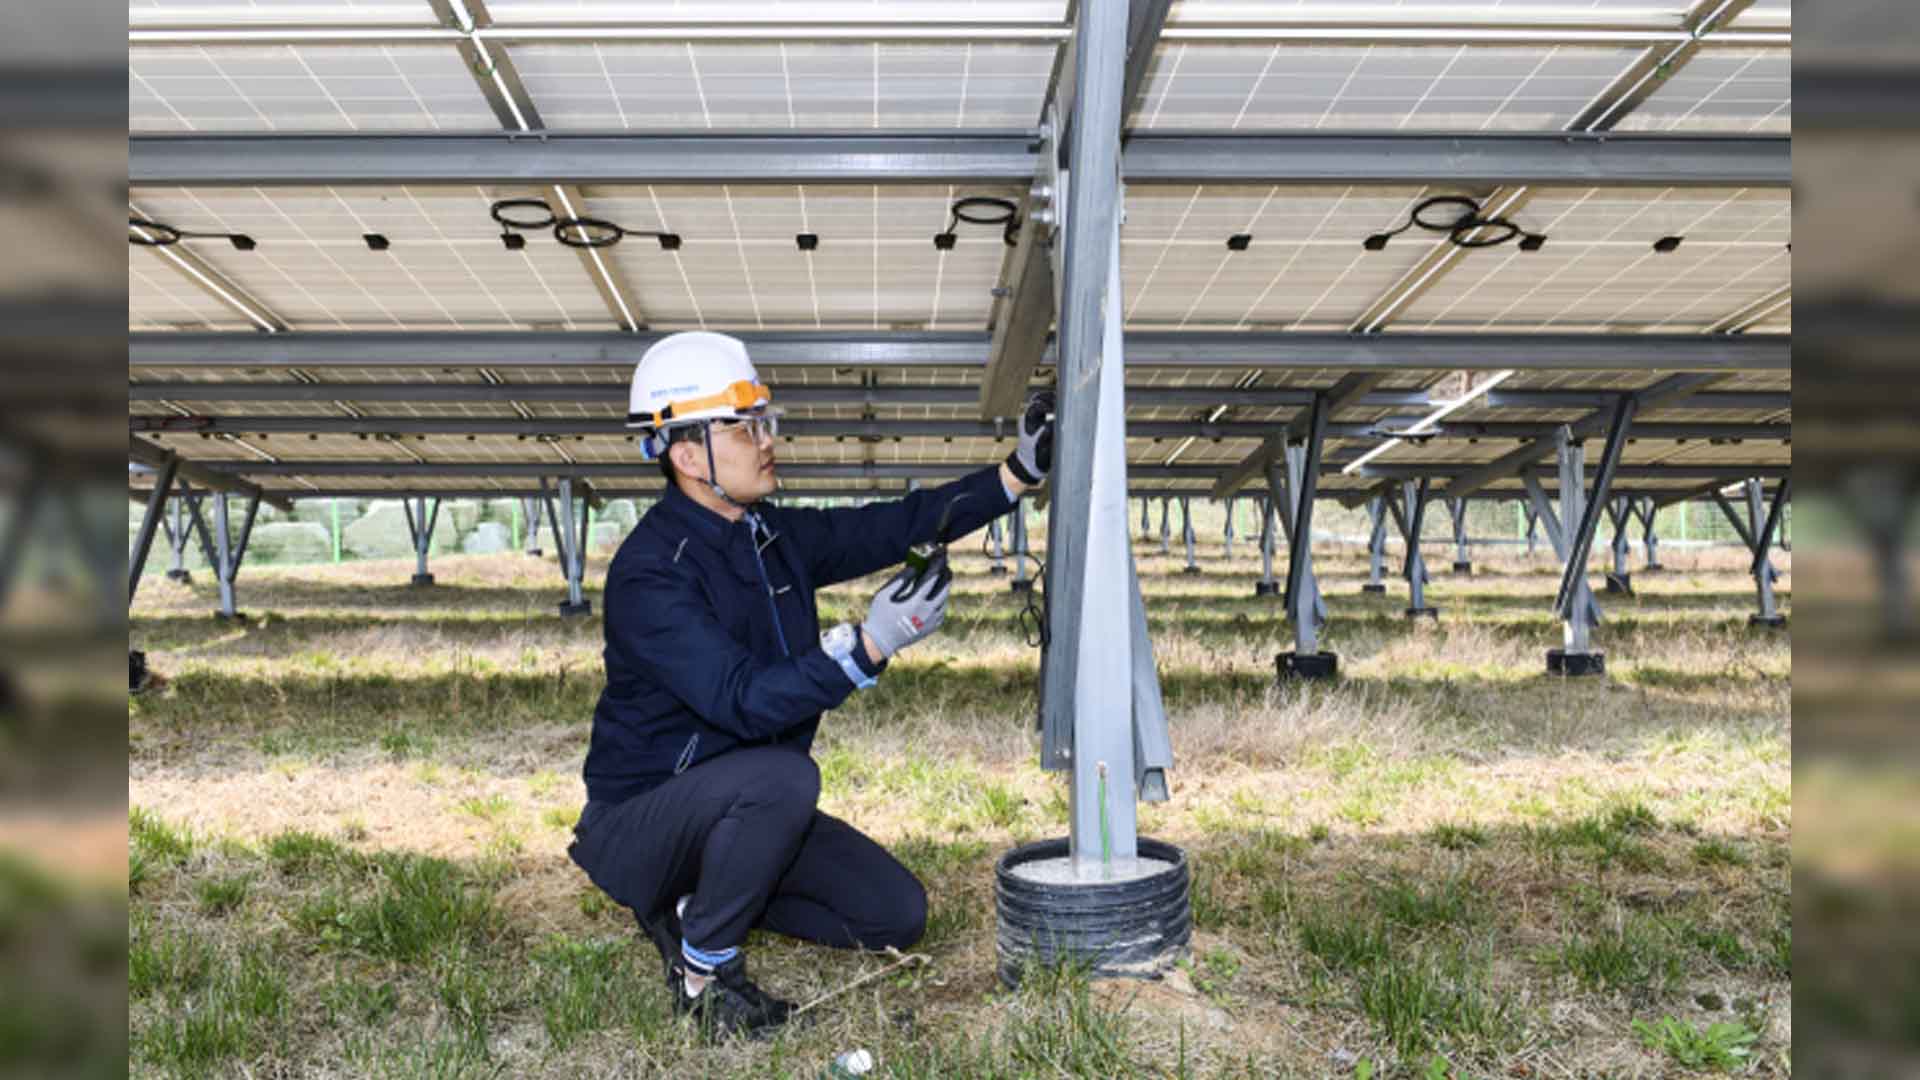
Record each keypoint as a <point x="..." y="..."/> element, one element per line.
<point x="695" y="666"/>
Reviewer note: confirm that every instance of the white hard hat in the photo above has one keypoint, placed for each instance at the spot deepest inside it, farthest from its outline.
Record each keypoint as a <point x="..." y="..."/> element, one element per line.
<point x="689" y="377"/>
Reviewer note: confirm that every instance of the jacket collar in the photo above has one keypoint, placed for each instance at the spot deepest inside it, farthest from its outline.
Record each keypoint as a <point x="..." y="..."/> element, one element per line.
<point x="704" y="524"/>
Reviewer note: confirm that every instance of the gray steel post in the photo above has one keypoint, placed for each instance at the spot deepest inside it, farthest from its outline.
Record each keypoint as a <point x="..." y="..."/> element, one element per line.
<point x="1621" y="515"/>
<point x="1229" y="532"/>
<point x="1146" y="518"/>
<point x="995" y="550"/>
<point x="1533" y="528"/>
<point x="176" y="525"/>
<point x="1166" y="534"/>
<point x="1376" y="545"/>
<point x="1186" y="533"/>
<point x="1765" y="528"/>
<point x="572" y="548"/>
<point x="1302" y="594"/>
<point x="223" y="547"/>
<point x="1089" y="672"/>
<point x="1580" y="543"/>
<point x="1648" y="512"/>
<point x="532" y="511"/>
<point x="1269" y="531"/>
<point x="420" y="526"/>
<point x="1414" y="494"/>
<point x="1577" y="623"/>
<point x="1462" y="558"/>
<point x="149" y="523"/>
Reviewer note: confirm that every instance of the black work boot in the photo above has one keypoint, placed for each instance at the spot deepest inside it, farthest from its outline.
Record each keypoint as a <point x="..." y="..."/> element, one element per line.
<point x="663" y="929"/>
<point x="730" y="1004"/>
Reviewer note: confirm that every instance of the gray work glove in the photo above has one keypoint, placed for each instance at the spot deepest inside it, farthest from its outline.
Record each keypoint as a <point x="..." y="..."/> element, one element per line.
<point x="910" y="606"/>
<point x="1033" y="458"/>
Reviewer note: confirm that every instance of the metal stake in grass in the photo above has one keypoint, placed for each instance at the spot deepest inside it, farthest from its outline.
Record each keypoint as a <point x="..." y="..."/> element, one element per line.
<point x="1106" y="831"/>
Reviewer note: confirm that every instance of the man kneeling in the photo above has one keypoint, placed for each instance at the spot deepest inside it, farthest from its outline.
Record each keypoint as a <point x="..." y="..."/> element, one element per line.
<point x="701" y="791"/>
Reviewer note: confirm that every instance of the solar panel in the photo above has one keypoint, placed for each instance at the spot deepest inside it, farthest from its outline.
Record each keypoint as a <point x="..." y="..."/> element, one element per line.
<point x="303" y="88"/>
<point x="801" y="85"/>
<point x="445" y="268"/>
<point x="1722" y="89"/>
<point x="1457" y="87"/>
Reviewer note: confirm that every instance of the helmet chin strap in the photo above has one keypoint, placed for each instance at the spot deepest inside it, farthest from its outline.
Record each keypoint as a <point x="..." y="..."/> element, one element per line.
<point x="713" y="473"/>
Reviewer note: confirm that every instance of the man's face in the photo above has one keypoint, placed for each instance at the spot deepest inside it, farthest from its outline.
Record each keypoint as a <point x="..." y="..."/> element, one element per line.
<point x="742" y="458"/>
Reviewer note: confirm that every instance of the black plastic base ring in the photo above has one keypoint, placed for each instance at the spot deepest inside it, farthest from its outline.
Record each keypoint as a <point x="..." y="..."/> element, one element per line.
<point x="1574" y="665"/>
<point x="1320" y="665"/>
<point x="996" y="570"/>
<point x="1020" y="585"/>
<point x="1266" y="588"/>
<point x="1371" y="587"/>
<point x="1463" y="568"/>
<point x="1620" y="584"/>
<point x="180" y="576"/>
<point x="421" y="579"/>
<point x="1189" y="569"/>
<point x="1428" y="612"/>
<point x="1137" y="928"/>
<point x="584" y="607"/>
<point x="1771" y="622"/>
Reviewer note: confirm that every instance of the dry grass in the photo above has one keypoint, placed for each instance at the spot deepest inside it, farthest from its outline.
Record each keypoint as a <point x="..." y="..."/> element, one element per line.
<point x="1445" y="853"/>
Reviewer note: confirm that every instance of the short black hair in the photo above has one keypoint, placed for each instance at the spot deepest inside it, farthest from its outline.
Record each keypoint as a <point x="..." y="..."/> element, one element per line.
<point x="684" y="433"/>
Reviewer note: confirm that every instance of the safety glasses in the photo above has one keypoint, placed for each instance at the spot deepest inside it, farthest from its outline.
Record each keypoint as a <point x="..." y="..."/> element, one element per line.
<point x="764" y="427"/>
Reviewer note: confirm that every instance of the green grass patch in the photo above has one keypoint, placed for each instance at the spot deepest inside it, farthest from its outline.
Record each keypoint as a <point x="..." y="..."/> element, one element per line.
<point x="156" y="842"/>
<point x="298" y="853"/>
<point x="1637" y="954"/>
<point x="1716" y="852"/>
<point x="486" y="807"/>
<point x="1719" y="1047"/>
<point x="1457" y="837"/>
<point x="1415" y="905"/>
<point x="419" y="906"/>
<point x="1344" y="940"/>
<point x="232" y="1013"/>
<point x="218" y="896"/>
<point x="1425" y="999"/>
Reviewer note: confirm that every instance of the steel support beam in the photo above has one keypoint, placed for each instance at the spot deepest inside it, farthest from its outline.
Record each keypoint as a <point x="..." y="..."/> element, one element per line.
<point x="420" y="526"/>
<point x="1661" y="395"/>
<point x="1620" y="515"/>
<point x="996" y="551"/>
<point x="224" y="552"/>
<point x="145" y="453"/>
<point x="1462" y="558"/>
<point x="1269" y="532"/>
<point x="1266" y="350"/>
<point x="204" y="160"/>
<point x="1410" y="514"/>
<point x="1647" y="512"/>
<point x="1580" y="544"/>
<point x="149" y="524"/>
<point x="1376" y="545"/>
<point x="568" y="523"/>
<point x="802" y="427"/>
<point x="1763" y="527"/>
<point x="531" y="506"/>
<point x="1228" y="536"/>
<point x="615" y="394"/>
<point x="1302" y="594"/>
<point x="1187" y="534"/>
<point x="1090" y="684"/>
<point x="1166" y="533"/>
<point x="176" y="527"/>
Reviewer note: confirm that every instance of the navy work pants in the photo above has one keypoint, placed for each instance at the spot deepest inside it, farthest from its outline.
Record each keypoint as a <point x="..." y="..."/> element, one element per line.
<point x="741" y="834"/>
